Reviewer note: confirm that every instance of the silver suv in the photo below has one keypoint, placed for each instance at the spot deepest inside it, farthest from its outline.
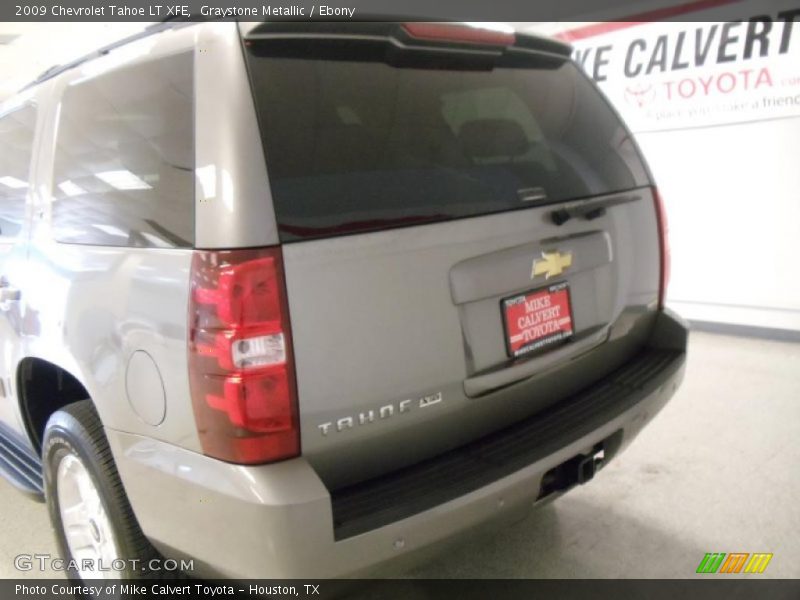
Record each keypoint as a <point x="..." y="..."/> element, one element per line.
<point x="303" y="299"/>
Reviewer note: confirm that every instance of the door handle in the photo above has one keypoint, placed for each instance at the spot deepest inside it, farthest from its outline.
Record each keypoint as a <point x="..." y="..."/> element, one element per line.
<point x="8" y="294"/>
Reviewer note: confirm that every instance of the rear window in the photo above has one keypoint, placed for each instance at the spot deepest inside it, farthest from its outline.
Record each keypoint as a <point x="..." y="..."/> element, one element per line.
<point x="360" y="145"/>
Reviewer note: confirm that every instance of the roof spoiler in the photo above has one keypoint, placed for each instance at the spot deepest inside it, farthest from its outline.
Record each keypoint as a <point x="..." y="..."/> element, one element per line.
<point x="333" y="28"/>
<point x="413" y="33"/>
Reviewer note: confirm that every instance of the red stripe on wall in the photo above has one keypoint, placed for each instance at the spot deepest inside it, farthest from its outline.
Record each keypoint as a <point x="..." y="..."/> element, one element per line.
<point x="659" y="14"/>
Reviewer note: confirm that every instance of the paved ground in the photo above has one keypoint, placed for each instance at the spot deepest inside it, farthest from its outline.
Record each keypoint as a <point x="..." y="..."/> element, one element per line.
<point x="717" y="471"/>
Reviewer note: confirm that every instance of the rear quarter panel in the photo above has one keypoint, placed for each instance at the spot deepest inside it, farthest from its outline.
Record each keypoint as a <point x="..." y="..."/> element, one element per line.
<point x="88" y="309"/>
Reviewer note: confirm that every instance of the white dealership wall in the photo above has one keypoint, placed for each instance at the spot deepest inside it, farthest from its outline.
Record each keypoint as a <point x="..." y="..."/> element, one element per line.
<point x="721" y="132"/>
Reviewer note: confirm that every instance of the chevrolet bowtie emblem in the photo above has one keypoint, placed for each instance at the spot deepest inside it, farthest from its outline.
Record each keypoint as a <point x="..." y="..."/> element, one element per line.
<point x="551" y="264"/>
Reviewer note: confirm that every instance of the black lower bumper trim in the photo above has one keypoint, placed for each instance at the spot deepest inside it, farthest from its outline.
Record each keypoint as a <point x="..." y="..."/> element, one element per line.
<point x="377" y="502"/>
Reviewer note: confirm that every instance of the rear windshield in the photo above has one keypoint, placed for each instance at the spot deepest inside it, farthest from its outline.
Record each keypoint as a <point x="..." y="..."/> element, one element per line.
<point x="354" y="144"/>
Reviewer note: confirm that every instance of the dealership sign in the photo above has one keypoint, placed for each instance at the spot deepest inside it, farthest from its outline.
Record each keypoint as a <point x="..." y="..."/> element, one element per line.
<point x="671" y="75"/>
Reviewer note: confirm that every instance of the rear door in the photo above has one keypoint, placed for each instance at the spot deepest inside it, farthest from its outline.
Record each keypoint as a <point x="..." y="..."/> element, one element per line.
<point x="17" y="132"/>
<point x="468" y="235"/>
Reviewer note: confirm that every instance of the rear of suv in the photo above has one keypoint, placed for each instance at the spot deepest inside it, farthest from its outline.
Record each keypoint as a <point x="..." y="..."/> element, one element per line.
<point x="309" y="300"/>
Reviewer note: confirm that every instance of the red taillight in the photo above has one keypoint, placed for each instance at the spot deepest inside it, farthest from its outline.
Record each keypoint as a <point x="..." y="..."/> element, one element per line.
<point x="240" y="357"/>
<point x="446" y="32"/>
<point x="663" y="245"/>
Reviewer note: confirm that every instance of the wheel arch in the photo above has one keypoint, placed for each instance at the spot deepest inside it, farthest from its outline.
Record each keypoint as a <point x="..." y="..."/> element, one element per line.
<point x="43" y="387"/>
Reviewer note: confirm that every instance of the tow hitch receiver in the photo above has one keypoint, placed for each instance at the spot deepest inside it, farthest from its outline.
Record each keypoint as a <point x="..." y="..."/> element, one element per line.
<point x="587" y="467"/>
<point x="577" y="470"/>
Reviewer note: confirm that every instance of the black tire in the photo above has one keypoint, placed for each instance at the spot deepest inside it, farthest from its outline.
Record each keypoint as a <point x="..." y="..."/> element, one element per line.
<point x="76" y="430"/>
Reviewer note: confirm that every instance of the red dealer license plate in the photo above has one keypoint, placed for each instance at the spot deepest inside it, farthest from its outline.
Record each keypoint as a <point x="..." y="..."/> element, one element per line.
<point x="537" y="319"/>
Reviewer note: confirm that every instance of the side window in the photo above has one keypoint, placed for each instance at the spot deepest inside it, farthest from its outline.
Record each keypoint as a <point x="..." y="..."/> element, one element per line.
<point x="16" y="144"/>
<point x="124" y="163"/>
